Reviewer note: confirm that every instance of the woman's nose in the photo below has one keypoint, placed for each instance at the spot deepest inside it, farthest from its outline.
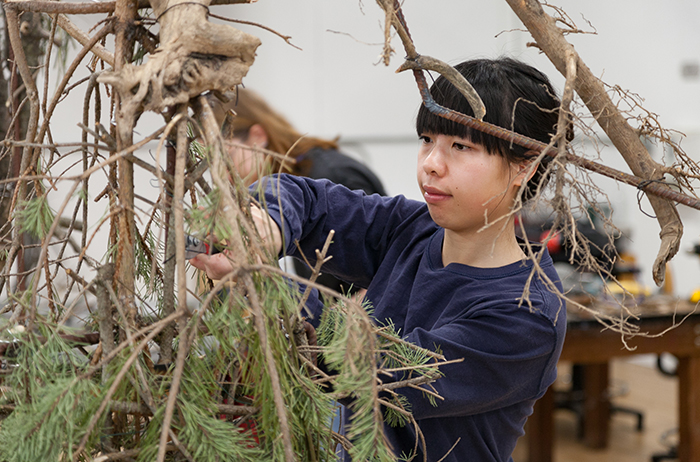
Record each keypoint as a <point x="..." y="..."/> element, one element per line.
<point x="434" y="163"/>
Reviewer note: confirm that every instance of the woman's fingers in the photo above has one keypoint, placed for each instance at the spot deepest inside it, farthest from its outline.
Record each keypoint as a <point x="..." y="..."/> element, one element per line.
<point x="216" y="266"/>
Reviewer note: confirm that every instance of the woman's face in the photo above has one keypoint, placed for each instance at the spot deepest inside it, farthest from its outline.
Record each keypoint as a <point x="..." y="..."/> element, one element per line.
<point x="462" y="183"/>
<point x="248" y="161"/>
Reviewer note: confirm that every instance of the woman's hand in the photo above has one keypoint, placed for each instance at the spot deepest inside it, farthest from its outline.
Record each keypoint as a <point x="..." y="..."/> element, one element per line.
<point x="219" y="265"/>
<point x="216" y="266"/>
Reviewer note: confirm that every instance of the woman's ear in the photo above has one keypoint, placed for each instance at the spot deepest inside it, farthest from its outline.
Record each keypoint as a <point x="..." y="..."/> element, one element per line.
<point x="524" y="171"/>
<point x="257" y="136"/>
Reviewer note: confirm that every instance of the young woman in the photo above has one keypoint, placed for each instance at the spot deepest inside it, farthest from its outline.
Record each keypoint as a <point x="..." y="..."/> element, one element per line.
<point x="441" y="276"/>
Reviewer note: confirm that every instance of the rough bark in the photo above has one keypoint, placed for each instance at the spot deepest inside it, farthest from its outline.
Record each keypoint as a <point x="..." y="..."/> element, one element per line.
<point x="51" y="7"/>
<point x="552" y="42"/>
<point x="105" y="274"/>
<point x="33" y="38"/>
<point x="5" y="117"/>
<point x="125" y="13"/>
<point x="194" y="56"/>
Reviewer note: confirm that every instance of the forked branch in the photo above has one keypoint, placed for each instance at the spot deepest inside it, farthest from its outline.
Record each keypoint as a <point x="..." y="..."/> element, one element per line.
<point x="550" y="39"/>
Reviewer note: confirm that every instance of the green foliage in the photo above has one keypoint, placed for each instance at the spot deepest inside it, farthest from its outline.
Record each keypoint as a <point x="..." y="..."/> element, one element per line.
<point x="21" y="298"/>
<point x="111" y="253"/>
<point x="53" y="406"/>
<point x="349" y="350"/>
<point x="206" y="220"/>
<point x="149" y="265"/>
<point x="35" y="216"/>
<point x="51" y="426"/>
<point x="196" y="149"/>
<point x="139" y="54"/>
<point x="399" y="354"/>
<point x="354" y="349"/>
<point x="230" y="360"/>
<point x="309" y="409"/>
<point x="40" y="363"/>
<point x="211" y="438"/>
<point x="206" y="436"/>
<point x="392" y="416"/>
<point x="82" y="194"/>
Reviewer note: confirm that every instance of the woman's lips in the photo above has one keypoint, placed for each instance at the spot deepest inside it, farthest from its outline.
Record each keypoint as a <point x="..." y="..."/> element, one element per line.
<point x="434" y="195"/>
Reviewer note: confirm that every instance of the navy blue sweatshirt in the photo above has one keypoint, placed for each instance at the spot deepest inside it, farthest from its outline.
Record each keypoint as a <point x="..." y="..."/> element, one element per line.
<point x="391" y="246"/>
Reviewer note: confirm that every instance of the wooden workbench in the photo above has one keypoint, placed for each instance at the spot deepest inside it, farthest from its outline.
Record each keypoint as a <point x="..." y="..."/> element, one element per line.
<point x="589" y="344"/>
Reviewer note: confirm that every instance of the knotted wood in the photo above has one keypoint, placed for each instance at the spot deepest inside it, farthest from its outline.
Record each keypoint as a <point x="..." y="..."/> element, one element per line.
<point x="194" y="56"/>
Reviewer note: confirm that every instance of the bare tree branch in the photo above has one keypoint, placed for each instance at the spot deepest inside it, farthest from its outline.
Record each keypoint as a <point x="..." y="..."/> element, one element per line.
<point x="551" y="41"/>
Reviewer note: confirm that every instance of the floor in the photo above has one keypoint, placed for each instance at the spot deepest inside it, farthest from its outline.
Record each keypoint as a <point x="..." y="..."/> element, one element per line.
<point x="634" y="384"/>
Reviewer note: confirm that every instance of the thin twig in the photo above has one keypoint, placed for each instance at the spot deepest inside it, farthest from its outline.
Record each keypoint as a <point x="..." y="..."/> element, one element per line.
<point x="321" y="259"/>
<point x="286" y="38"/>
<point x="82" y="38"/>
<point x="183" y="347"/>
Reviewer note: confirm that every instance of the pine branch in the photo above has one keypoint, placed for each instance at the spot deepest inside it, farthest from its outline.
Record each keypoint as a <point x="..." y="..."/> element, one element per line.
<point x="142" y="409"/>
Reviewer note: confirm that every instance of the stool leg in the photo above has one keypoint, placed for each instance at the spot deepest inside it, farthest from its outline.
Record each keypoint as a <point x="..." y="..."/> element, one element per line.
<point x="596" y="405"/>
<point x="639" y="415"/>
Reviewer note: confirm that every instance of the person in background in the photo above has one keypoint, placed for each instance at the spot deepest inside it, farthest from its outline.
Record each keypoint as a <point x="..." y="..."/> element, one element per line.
<point x="248" y="121"/>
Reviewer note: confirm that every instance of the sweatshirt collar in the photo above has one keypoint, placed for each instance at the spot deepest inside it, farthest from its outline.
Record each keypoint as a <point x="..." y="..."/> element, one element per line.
<point x="435" y="262"/>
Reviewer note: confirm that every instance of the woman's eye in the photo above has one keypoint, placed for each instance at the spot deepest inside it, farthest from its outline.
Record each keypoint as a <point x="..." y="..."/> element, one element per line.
<point x="424" y="139"/>
<point x="460" y="147"/>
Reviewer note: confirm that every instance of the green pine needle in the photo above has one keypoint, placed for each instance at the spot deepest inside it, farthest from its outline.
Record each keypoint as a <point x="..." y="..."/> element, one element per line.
<point x="35" y="216"/>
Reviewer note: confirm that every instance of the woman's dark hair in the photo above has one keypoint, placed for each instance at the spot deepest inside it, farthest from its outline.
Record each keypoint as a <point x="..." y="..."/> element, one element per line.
<point x="517" y="97"/>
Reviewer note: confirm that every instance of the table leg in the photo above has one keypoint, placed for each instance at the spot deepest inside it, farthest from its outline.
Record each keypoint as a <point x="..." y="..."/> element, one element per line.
<point x="540" y="429"/>
<point x="689" y="408"/>
<point x="596" y="415"/>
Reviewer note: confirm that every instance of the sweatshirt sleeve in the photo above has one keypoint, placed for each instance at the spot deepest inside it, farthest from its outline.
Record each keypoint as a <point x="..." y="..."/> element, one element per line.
<point x="306" y="211"/>
<point x="501" y="365"/>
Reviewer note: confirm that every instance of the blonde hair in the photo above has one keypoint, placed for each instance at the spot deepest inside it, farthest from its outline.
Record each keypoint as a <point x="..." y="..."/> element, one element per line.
<point x="246" y="108"/>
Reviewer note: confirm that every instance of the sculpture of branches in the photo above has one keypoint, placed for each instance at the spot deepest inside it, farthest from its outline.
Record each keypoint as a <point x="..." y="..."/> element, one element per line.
<point x="154" y="371"/>
<point x="151" y="370"/>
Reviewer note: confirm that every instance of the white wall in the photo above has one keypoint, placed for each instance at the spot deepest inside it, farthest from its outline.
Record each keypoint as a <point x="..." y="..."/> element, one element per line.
<point x="335" y="86"/>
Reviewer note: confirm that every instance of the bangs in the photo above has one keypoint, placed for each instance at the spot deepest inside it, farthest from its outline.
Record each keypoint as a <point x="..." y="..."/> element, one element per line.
<point x="429" y="123"/>
<point x="517" y="97"/>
